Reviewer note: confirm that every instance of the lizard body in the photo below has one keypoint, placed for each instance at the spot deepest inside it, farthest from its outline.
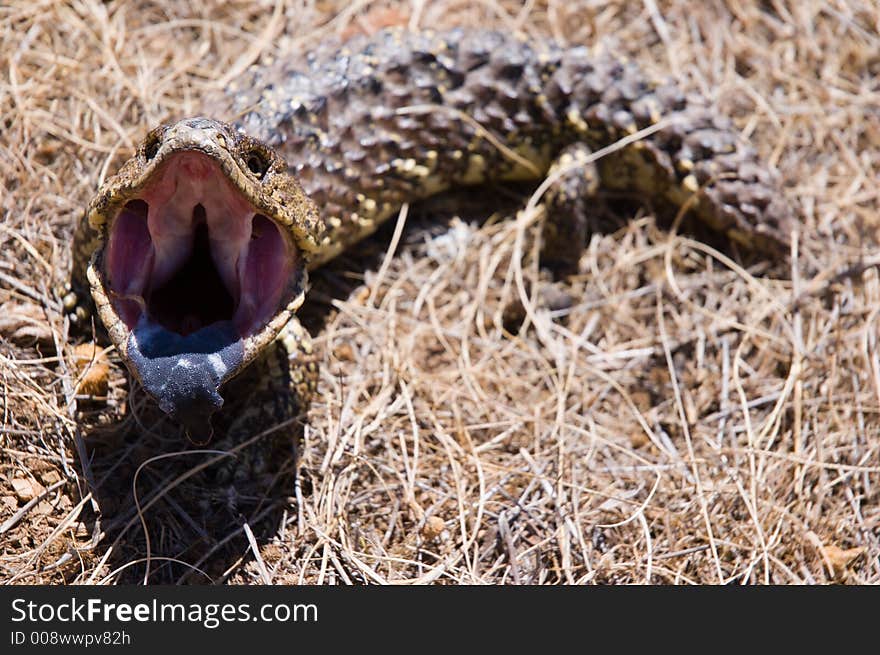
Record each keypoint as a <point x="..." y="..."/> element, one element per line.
<point x="196" y="253"/>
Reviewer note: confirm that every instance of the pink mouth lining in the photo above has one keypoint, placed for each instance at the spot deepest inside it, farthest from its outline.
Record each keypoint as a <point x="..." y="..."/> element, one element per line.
<point x="191" y="251"/>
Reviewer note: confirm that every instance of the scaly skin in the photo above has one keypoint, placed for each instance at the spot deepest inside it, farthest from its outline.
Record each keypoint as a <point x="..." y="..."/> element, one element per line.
<point x="384" y="120"/>
<point x="396" y="117"/>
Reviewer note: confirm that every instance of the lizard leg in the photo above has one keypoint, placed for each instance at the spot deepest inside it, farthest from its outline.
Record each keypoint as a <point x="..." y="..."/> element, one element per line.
<point x="566" y="227"/>
<point x="75" y="296"/>
<point x="275" y="388"/>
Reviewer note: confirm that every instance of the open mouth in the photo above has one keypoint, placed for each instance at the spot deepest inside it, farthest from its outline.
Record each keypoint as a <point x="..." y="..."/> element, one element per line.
<point x="190" y="252"/>
<point x="193" y="270"/>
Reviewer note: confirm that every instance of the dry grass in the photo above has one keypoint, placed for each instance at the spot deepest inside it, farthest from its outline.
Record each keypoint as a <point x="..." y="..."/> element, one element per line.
<point x="693" y="417"/>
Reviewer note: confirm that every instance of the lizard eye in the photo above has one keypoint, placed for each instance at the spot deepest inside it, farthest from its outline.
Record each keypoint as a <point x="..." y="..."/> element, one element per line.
<point x="257" y="163"/>
<point x="151" y="147"/>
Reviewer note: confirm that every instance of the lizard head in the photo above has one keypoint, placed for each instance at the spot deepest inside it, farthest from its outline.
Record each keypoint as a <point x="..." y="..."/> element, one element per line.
<point x="206" y="236"/>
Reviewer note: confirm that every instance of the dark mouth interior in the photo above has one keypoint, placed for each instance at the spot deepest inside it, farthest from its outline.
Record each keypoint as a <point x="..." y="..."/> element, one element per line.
<point x="192" y="252"/>
<point x="195" y="296"/>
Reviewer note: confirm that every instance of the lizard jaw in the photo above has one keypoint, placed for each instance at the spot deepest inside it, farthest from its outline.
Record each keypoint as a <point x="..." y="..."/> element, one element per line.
<point x="190" y="251"/>
<point x="200" y="269"/>
<point x="193" y="270"/>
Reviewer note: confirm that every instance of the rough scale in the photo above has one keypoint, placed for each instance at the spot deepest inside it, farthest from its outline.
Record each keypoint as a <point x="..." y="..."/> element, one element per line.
<point x="395" y="117"/>
<point x="398" y="116"/>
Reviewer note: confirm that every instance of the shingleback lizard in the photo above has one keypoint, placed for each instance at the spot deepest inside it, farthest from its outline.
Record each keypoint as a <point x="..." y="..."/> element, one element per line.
<point x="196" y="252"/>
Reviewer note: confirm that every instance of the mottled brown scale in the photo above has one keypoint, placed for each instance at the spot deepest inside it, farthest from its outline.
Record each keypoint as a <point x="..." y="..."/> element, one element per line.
<point x="395" y="117"/>
<point x="336" y="117"/>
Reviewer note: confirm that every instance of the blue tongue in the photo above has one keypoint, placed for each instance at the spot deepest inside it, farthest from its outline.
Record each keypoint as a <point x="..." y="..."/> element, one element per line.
<point x="184" y="373"/>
